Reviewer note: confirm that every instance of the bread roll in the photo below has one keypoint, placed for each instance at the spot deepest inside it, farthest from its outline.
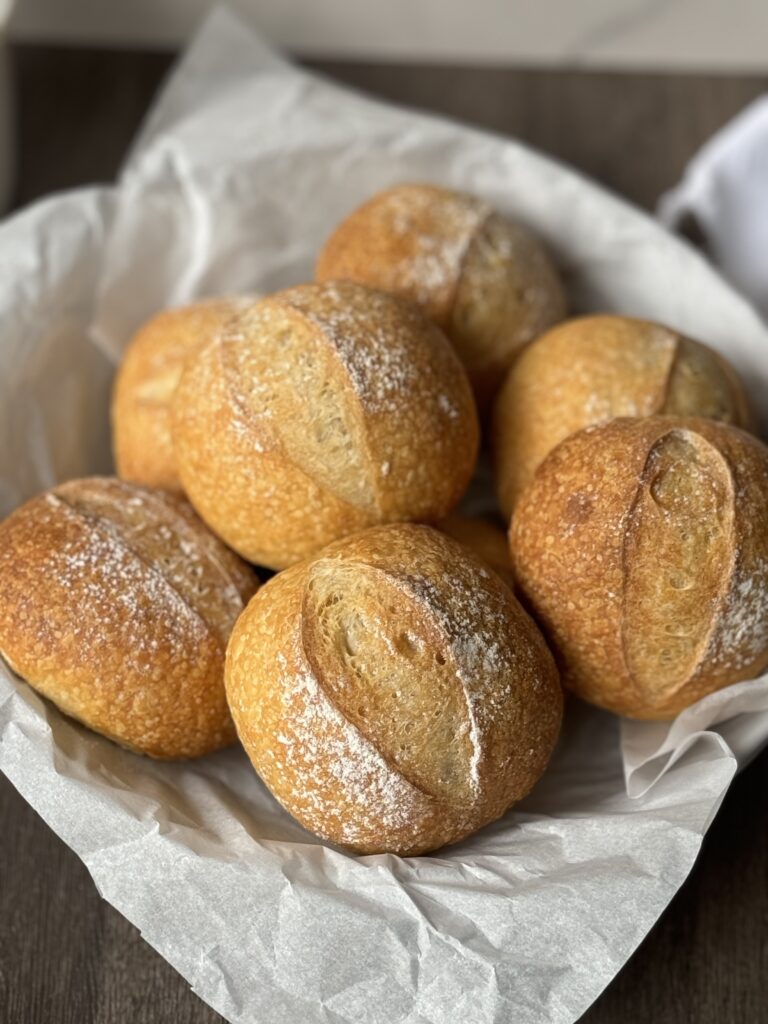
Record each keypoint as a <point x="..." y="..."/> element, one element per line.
<point x="322" y="410"/>
<point x="116" y="603"/>
<point x="487" y="281"/>
<point x="392" y="694"/>
<point x="485" y="538"/>
<point x="146" y="381"/>
<point x="642" y="546"/>
<point x="594" y="368"/>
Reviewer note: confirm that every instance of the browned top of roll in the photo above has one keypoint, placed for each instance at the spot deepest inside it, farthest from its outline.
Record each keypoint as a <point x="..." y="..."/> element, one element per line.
<point x="323" y="409"/>
<point x="591" y="369"/>
<point x="416" y="238"/>
<point x="485" y="538"/>
<point x="117" y="604"/>
<point x="485" y="279"/>
<point x="146" y="380"/>
<point x="643" y="547"/>
<point x="393" y="694"/>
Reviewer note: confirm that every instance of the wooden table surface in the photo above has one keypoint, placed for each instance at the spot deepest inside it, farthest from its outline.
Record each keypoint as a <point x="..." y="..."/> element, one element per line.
<point x="66" y="957"/>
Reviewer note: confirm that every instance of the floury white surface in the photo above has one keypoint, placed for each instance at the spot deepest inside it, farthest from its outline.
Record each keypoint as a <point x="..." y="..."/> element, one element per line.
<point x="241" y="171"/>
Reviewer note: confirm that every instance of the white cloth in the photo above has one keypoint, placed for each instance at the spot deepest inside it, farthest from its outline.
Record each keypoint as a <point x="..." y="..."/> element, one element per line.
<point x="725" y="187"/>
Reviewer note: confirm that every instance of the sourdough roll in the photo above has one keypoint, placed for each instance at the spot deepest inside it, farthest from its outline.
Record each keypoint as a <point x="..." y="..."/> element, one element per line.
<point x="592" y="369"/>
<point x="642" y="546"/>
<point x="485" y="538"/>
<point x="116" y="603"/>
<point x="146" y="381"/>
<point x="392" y="694"/>
<point x="320" y="411"/>
<point x="487" y="281"/>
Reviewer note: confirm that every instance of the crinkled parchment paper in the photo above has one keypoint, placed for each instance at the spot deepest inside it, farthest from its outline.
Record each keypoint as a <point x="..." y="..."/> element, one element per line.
<point x="240" y="172"/>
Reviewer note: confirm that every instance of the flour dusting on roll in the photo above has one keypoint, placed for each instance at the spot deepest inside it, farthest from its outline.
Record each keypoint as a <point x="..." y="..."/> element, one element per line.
<point x="320" y="411"/>
<point x="642" y="546"/>
<point x="486" y="280"/>
<point x="116" y="603"/>
<point x="392" y="693"/>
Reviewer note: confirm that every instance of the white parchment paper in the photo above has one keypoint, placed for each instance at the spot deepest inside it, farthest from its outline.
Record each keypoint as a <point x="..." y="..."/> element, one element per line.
<point x="240" y="172"/>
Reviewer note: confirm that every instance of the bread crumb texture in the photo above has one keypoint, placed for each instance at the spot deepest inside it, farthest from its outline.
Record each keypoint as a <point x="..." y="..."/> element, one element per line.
<point x="393" y="694"/>
<point x="117" y="604"/>
<point x="642" y="546"/>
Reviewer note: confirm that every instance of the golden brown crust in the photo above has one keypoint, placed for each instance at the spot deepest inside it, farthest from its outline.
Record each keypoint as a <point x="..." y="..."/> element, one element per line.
<point x="393" y="694"/>
<point x="145" y="383"/>
<point x="485" y="538"/>
<point x="642" y="546"/>
<point x="507" y="294"/>
<point x="489" y="283"/>
<point x="116" y="603"/>
<point x="323" y="410"/>
<point x="410" y="240"/>
<point x="591" y="369"/>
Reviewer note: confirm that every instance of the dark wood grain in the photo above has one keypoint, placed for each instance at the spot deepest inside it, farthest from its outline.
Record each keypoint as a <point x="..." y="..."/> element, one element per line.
<point x="67" y="957"/>
<point x="634" y="133"/>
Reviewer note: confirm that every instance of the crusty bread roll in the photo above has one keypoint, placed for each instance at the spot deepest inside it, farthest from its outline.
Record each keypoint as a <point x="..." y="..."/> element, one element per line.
<point x="146" y="381"/>
<point x="322" y="410"/>
<point x="593" y="368"/>
<point x="642" y="546"/>
<point x="116" y="603"/>
<point x="485" y="538"/>
<point x="393" y="694"/>
<point x="487" y="281"/>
